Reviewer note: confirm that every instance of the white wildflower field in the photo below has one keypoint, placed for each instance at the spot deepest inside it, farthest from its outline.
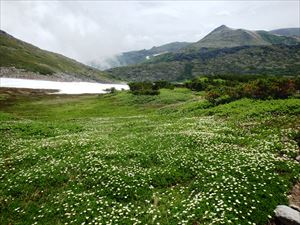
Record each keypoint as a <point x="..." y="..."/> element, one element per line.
<point x="118" y="159"/>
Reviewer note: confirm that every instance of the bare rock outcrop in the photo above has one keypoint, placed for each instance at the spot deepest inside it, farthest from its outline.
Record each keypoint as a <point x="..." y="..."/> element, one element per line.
<point x="287" y="216"/>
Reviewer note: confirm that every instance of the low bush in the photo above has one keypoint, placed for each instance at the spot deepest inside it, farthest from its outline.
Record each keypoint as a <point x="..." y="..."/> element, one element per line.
<point x="111" y="90"/>
<point x="143" y="88"/>
<point x="262" y="88"/>
<point x="164" y="84"/>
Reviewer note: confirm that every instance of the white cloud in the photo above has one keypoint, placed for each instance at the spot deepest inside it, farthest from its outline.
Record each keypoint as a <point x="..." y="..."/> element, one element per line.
<point x="93" y="30"/>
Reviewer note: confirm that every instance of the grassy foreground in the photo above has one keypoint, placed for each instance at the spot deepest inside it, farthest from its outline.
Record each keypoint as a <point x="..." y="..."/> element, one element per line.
<point x="124" y="159"/>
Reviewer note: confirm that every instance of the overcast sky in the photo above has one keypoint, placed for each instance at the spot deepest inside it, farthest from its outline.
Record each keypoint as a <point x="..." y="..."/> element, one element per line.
<point x="93" y="30"/>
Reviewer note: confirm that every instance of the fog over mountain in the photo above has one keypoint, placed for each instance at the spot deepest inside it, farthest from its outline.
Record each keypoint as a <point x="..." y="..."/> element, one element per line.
<point x="91" y="31"/>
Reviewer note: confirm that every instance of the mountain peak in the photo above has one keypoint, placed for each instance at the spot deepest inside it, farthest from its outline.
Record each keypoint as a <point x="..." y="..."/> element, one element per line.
<point x="224" y="36"/>
<point x="222" y="28"/>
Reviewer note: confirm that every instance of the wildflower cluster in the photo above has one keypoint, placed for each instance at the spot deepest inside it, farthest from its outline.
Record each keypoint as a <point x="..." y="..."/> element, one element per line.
<point x="143" y="170"/>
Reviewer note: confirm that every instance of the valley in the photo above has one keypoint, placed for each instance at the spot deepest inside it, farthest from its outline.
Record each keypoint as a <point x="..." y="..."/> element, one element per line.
<point x="197" y="133"/>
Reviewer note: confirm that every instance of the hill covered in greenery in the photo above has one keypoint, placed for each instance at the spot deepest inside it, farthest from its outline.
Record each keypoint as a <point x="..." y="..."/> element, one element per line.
<point x="21" y="55"/>
<point x="221" y="37"/>
<point x="272" y="59"/>
<point x="223" y="51"/>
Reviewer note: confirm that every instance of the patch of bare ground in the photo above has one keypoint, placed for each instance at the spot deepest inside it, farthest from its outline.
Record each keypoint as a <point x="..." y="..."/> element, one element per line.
<point x="294" y="197"/>
<point x="12" y="72"/>
<point x="271" y="222"/>
<point x="8" y="96"/>
<point x="25" y="91"/>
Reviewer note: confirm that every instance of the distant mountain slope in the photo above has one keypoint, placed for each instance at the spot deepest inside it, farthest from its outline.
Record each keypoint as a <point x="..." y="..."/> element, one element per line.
<point x="221" y="37"/>
<point x="270" y="59"/>
<point x="224" y="36"/>
<point x="289" y="32"/>
<point x="135" y="57"/>
<point x="222" y="51"/>
<point x="21" y="55"/>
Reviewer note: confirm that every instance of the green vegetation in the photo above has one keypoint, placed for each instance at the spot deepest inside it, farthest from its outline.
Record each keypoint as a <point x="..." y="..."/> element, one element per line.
<point x="149" y="88"/>
<point x="243" y="60"/>
<point x="119" y="158"/>
<point x="218" y="149"/>
<point x="227" y="89"/>
<point x="143" y="88"/>
<point x="221" y="37"/>
<point x="21" y="55"/>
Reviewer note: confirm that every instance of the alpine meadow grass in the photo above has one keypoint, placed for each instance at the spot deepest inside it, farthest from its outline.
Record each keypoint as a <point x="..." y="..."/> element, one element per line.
<point x="126" y="159"/>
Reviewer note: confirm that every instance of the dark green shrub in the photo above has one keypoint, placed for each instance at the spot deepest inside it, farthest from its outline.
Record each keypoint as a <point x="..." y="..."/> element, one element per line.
<point x="143" y="88"/>
<point x="179" y="85"/>
<point x="211" y="96"/>
<point x="197" y="84"/>
<point x="267" y="88"/>
<point x="163" y="84"/>
<point x="111" y="90"/>
<point x="223" y="99"/>
<point x="270" y="88"/>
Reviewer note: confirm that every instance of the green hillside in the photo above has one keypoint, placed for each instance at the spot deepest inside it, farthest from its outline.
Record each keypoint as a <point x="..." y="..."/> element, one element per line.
<point x="221" y="37"/>
<point x="21" y="55"/>
<point x="273" y="59"/>
<point x="222" y="51"/>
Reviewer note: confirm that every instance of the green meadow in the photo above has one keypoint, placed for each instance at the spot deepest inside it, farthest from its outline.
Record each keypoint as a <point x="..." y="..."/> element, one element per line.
<point x="119" y="158"/>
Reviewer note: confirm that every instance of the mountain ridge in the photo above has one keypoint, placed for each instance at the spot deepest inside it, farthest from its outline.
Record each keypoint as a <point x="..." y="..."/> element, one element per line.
<point x="220" y="37"/>
<point x="289" y="32"/>
<point x="249" y="52"/>
<point x="139" y="56"/>
<point x="238" y="51"/>
<point x="224" y="36"/>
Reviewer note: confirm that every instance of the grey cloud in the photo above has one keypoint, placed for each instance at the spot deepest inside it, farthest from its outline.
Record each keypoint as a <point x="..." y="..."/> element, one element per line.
<point x="94" y="30"/>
